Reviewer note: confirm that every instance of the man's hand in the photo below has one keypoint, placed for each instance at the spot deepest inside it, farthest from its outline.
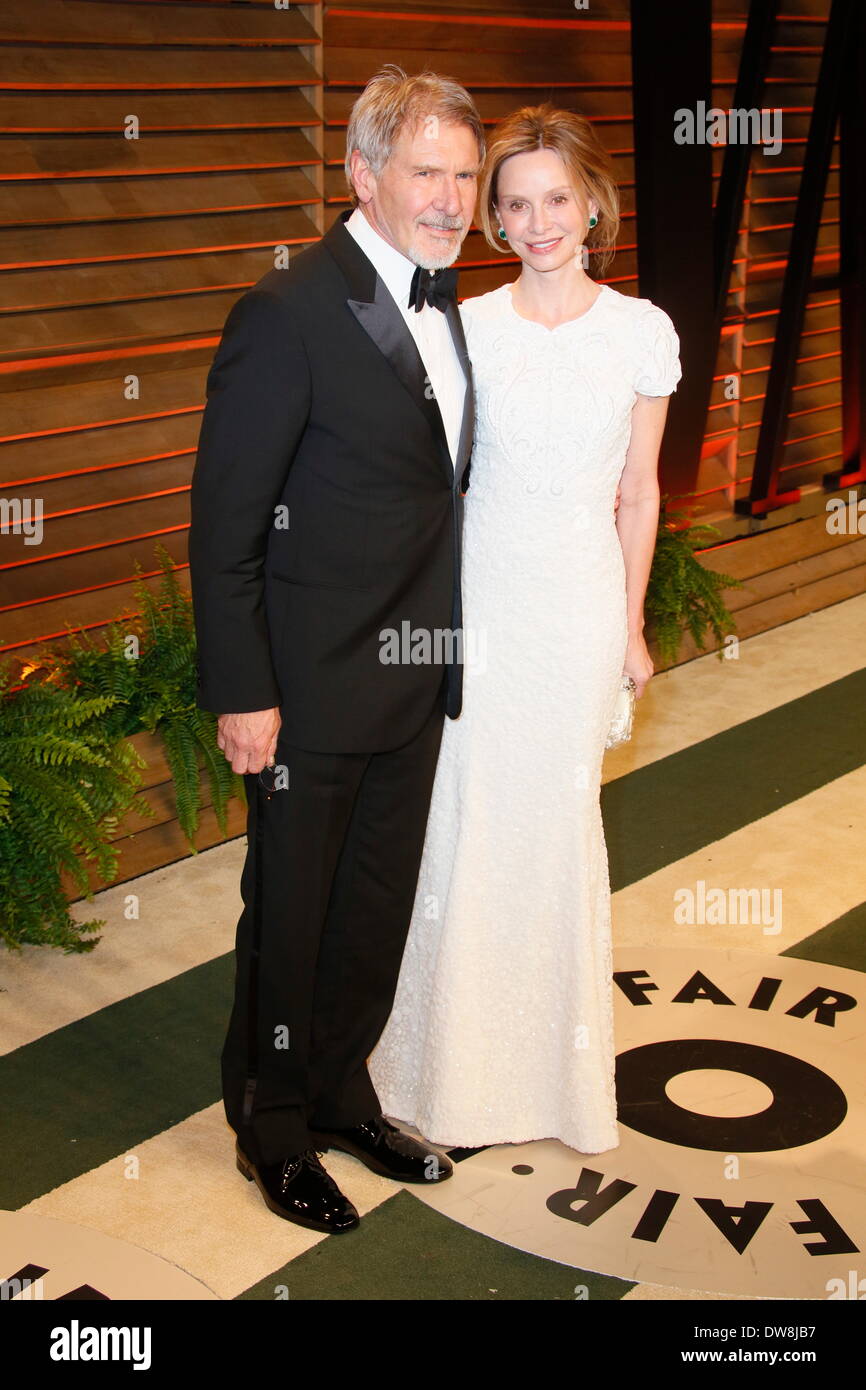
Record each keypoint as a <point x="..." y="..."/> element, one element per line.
<point x="249" y="741"/>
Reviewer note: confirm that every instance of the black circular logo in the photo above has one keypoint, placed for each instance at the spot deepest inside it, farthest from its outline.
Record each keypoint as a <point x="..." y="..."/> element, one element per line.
<point x="807" y="1104"/>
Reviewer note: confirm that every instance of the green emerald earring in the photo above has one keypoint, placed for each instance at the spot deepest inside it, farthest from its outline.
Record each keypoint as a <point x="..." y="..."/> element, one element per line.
<point x="593" y="221"/>
<point x="502" y="233"/>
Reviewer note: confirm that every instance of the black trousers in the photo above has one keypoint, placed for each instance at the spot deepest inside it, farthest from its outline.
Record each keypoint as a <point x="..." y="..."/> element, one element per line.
<point x="328" y="887"/>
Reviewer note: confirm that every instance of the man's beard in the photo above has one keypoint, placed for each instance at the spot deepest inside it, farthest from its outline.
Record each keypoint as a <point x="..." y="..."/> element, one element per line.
<point x="431" y="260"/>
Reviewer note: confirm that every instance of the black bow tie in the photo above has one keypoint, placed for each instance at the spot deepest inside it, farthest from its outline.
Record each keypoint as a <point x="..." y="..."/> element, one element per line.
<point x="434" y="287"/>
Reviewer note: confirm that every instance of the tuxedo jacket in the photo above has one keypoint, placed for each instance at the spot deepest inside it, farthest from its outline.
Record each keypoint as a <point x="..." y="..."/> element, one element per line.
<point x="326" y="511"/>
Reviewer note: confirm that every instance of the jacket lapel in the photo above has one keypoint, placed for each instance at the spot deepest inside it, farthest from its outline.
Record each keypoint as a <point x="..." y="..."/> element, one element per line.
<point x="375" y="310"/>
<point x="467" y="425"/>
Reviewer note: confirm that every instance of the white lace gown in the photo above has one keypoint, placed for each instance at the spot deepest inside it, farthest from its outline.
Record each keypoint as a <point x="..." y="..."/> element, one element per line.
<point x="502" y="1024"/>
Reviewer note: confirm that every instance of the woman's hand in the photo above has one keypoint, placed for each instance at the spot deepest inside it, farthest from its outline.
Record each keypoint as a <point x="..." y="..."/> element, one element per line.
<point x="638" y="662"/>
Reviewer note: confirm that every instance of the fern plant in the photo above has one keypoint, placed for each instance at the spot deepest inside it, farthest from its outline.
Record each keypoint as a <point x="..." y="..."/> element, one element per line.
<point x="682" y="594"/>
<point x="65" y="784"/>
<point x="146" y="661"/>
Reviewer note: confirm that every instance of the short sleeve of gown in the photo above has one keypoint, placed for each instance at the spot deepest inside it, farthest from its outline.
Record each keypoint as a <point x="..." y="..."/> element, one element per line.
<point x="658" y="348"/>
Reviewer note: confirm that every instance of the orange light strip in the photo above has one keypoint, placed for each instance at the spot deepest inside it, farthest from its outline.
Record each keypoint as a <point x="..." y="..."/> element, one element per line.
<point x="100" y="545"/>
<point x="97" y="507"/>
<point x="154" y="254"/>
<point x="767" y="201"/>
<point x="787" y="226"/>
<point x="801" y="19"/>
<point x="99" y="132"/>
<point x="97" y="468"/>
<point x="754" y="316"/>
<point x="807" y="463"/>
<point x="826" y="258"/>
<point x="115" y="172"/>
<point x="26" y="364"/>
<point x="488" y="22"/>
<point x="99" y="425"/>
<point x="311" y="80"/>
<point x="83" y="627"/>
<point x="94" y="588"/>
<point x="212" y="209"/>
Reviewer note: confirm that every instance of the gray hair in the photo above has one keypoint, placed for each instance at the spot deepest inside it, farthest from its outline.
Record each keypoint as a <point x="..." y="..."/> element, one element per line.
<point x="392" y="99"/>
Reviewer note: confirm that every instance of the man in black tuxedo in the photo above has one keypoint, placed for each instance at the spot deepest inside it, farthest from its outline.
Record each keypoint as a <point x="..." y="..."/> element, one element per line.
<point x="326" y="513"/>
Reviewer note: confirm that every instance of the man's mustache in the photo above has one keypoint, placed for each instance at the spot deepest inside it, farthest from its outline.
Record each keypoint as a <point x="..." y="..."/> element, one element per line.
<point x="444" y="226"/>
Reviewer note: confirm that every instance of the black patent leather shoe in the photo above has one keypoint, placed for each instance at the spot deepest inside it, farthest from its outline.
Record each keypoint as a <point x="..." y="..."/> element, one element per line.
<point x="300" y="1190"/>
<point x="385" y="1149"/>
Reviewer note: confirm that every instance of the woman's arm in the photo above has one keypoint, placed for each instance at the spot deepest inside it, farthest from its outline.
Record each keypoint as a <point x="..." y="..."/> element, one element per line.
<point x="637" y="524"/>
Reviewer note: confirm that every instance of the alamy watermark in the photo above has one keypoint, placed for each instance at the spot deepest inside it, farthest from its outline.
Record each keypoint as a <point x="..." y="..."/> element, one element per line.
<point x="22" y="516"/>
<point x="738" y="126"/>
<point x="708" y="906"/>
<point x="422" y="646"/>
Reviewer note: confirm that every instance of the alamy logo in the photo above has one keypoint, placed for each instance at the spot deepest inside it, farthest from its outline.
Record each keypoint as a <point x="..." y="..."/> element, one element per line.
<point x="77" y="1343"/>
<point x="738" y="126"/>
<point x="421" y="646"/>
<point x="22" y="516"/>
<point x="708" y="906"/>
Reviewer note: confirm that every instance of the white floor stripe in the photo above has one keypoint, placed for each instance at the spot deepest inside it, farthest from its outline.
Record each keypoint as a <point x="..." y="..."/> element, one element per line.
<point x="703" y="697"/>
<point x="191" y="1206"/>
<point x="809" y="851"/>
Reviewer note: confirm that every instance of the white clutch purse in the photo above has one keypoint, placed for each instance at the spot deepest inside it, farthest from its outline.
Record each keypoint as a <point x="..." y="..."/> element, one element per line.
<point x="623" y="714"/>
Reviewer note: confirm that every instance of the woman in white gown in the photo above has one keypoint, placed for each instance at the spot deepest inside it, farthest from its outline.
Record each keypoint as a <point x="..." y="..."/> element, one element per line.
<point x="502" y="1024"/>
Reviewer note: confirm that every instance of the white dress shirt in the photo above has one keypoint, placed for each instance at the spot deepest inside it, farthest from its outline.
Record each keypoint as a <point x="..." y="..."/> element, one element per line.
<point x="429" y="328"/>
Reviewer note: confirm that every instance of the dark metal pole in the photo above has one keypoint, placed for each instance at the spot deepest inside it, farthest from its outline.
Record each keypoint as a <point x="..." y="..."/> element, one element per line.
<point x="852" y="261"/>
<point x="671" y="51"/>
<point x="764" y="495"/>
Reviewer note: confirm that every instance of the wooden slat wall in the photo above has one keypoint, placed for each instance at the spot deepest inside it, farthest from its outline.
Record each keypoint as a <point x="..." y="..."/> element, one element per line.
<point x="813" y="439"/>
<point x="122" y="257"/>
<point x="814" y="435"/>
